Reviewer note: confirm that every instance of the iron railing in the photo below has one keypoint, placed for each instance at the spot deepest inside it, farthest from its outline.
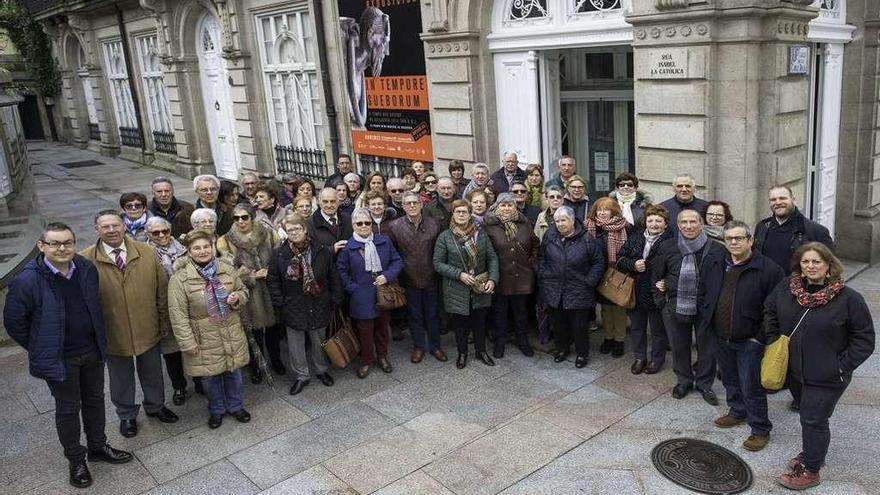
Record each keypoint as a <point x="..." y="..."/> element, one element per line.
<point x="94" y="132"/>
<point x="304" y="162"/>
<point x="131" y="136"/>
<point x="164" y="142"/>
<point x="387" y="166"/>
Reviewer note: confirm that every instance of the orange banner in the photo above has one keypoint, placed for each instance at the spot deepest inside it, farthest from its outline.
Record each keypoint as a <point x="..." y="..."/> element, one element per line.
<point x="397" y="93"/>
<point x="395" y="144"/>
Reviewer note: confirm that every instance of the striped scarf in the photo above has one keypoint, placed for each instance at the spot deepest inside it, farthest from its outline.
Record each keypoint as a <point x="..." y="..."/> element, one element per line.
<point x="215" y="292"/>
<point x="467" y="238"/>
<point x="689" y="275"/>
<point x="615" y="227"/>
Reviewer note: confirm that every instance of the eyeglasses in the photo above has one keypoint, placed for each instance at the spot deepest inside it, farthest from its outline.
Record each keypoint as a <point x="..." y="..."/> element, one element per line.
<point x="243" y="218"/>
<point x="736" y="239"/>
<point x="626" y="184"/>
<point x="133" y="206"/>
<point x="411" y="203"/>
<point x="519" y="191"/>
<point x="56" y="244"/>
<point x="160" y="232"/>
<point x="576" y="187"/>
<point x="555" y="196"/>
<point x="362" y="224"/>
<point x="429" y="182"/>
<point x="396" y="190"/>
<point x="207" y="189"/>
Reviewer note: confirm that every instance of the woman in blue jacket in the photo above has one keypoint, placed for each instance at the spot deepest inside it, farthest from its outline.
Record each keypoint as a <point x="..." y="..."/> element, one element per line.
<point x="367" y="261"/>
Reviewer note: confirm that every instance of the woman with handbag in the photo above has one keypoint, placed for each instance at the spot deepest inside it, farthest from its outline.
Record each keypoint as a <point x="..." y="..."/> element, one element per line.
<point x="204" y="299"/>
<point x="517" y="249"/>
<point x="249" y="245"/>
<point x="607" y="225"/>
<point x="572" y="265"/>
<point x="636" y="259"/>
<point x="367" y="262"/>
<point x="832" y="333"/>
<point x="305" y="287"/>
<point x="466" y="260"/>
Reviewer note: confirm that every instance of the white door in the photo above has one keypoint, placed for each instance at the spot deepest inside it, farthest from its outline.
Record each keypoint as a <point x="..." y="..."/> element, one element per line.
<point x="215" y="95"/>
<point x="519" y="124"/>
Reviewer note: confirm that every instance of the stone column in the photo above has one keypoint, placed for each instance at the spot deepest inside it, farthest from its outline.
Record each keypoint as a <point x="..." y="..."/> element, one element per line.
<point x="716" y="97"/>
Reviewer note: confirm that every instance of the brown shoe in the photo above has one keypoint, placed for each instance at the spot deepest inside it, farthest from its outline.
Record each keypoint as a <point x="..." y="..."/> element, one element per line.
<point x="439" y="355"/>
<point x="385" y="365"/>
<point x="800" y="478"/>
<point x="756" y="442"/>
<point x="416" y="356"/>
<point x="728" y="421"/>
<point x="363" y="371"/>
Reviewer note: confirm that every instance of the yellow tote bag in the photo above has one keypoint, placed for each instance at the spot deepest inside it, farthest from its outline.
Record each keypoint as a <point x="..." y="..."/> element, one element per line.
<point x="774" y="364"/>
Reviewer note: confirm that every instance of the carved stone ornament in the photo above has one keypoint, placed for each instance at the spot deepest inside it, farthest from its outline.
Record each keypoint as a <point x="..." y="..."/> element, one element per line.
<point x="671" y="4"/>
<point x="440" y="16"/>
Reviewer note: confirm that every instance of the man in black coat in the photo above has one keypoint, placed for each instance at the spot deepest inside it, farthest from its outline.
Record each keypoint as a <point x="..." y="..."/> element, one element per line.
<point x="441" y="208"/>
<point x="509" y="173"/>
<point x="732" y="293"/>
<point x="779" y="235"/>
<point x="53" y="310"/>
<point x="328" y="226"/>
<point x="676" y="290"/>
<point x="683" y="187"/>
<point x="164" y="204"/>
<point x="520" y="195"/>
<point x="344" y="167"/>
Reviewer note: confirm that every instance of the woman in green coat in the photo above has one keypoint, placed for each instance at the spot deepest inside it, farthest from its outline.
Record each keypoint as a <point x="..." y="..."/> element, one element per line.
<point x="464" y="257"/>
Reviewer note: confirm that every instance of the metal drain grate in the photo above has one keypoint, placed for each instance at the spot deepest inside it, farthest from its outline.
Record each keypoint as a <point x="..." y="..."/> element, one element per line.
<point x="81" y="164"/>
<point x="702" y="466"/>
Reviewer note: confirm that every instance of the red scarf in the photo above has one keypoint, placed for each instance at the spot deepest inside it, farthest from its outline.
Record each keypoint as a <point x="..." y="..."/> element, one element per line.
<point x="815" y="299"/>
<point x="616" y="229"/>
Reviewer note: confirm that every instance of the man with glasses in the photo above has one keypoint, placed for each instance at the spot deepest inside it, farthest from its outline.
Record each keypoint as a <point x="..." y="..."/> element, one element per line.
<point x="134" y="301"/>
<point x="164" y="204"/>
<point x="734" y="289"/>
<point x="207" y="188"/>
<point x="683" y="188"/>
<point x="53" y="311"/>
<point x="441" y="208"/>
<point x="503" y="178"/>
<point x="567" y="167"/>
<point x="414" y="235"/>
<point x="328" y="226"/>
<point x="520" y="195"/>
<point x="396" y="188"/>
<point x="250" y="181"/>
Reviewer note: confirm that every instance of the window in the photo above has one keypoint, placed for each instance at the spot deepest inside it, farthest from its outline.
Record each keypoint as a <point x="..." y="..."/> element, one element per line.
<point x="586" y="6"/>
<point x="287" y="50"/>
<point x="527" y="9"/>
<point x="158" y="110"/>
<point x="120" y="92"/>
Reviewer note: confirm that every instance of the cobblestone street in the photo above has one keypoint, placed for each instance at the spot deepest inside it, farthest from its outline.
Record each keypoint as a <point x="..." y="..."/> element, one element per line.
<point x="525" y="426"/>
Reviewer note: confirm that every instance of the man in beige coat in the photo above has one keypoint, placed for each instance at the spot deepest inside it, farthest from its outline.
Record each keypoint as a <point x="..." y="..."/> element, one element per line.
<point x="134" y="299"/>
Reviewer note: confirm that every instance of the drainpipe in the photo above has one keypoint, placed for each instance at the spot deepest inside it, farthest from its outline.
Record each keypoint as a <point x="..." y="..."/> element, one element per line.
<point x="131" y="85"/>
<point x="317" y="6"/>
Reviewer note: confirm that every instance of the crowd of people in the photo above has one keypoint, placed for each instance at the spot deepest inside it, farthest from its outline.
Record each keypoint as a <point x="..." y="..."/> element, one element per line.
<point x="215" y="287"/>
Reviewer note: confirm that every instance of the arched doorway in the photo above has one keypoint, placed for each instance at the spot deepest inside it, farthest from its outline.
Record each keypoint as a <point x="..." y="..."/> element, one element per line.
<point x="216" y="97"/>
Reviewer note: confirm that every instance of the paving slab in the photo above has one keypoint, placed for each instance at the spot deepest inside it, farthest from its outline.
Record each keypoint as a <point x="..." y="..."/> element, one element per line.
<point x="219" y="478"/>
<point x="315" y="481"/>
<point x="109" y="479"/>
<point x="554" y="479"/>
<point x="587" y="411"/>
<point x="417" y="482"/>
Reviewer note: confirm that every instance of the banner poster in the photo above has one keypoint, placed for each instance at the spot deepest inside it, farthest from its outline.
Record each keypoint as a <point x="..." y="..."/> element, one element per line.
<point x="385" y="78"/>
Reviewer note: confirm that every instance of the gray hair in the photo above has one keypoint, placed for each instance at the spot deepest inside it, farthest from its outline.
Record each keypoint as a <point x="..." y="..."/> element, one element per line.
<point x="360" y="213"/>
<point x="511" y="153"/>
<point x="563" y="211"/>
<point x="156" y="222"/>
<point x="352" y="176"/>
<point x="733" y="224"/>
<point x="394" y="180"/>
<point x="684" y="175"/>
<point x="446" y="179"/>
<point x="328" y="190"/>
<point x="482" y="166"/>
<point x="203" y="214"/>
<point x="205" y="178"/>
<point x="249" y="174"/>
<point x="503" y="198"/>
<point x="160" y="180"/>
<point x="410" y="194"/>
<point x="249" y="208"/>
<point x="555" y="188"/>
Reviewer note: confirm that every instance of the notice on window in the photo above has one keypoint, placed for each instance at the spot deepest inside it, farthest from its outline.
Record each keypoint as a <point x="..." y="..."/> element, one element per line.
<point x="601" y="161"/>
<point x="385" y="78"/>
<point x="603" y="182"/>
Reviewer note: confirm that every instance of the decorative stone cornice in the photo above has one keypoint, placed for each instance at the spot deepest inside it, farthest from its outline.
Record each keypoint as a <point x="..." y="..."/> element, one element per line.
<point x="688" y="32"/>
<point x="464" y="44"/>
<point x="671" y="4"/>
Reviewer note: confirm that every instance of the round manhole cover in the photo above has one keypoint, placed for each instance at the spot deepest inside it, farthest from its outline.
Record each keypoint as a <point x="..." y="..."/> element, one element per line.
<point x="701" y="466"/>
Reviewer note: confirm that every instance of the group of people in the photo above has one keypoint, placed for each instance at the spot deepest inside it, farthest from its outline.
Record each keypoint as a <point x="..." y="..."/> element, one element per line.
<point x="215" y="286"/>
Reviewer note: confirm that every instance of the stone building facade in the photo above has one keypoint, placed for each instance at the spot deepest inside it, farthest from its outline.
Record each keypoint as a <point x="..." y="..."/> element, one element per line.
<point x="741" y="94"/>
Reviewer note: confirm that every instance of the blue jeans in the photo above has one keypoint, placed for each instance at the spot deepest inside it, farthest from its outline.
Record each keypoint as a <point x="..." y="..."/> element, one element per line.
<point x="223" y="392"/>
<point x="740" y="364"/>
<point x="424" y="323"/>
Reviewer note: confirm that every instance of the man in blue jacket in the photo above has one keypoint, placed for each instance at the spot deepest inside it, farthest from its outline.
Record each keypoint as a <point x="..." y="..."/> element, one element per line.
<point x="53" y="311"/>
<point x="732" y="293"/>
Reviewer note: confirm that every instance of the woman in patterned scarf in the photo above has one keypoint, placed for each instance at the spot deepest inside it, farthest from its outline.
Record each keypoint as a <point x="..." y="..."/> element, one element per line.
<point x="204" y="299"/>
<point x="304" y="286"/>
<point x="606" y="224"/>
<point x="249" y="245"/>
<point x="835" y="334"/>
<point x="134" y="215"/>
<point x="465" y="258"/>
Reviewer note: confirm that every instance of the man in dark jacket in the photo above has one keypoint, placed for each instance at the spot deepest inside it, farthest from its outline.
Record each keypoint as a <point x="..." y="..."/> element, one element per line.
<point x="415" y="235"/>
<point x="441" y="208"/>
<point x="732" y="293"/>
<point x="520" y="194"/>
<point x="683" y="187"/>
<point x="676" y="290"/>
<point x="328" y="226"/>
<point x="53" y="310"/>
<point x="504" y="177"/>
<point x="779" y="235"/>
<point x="344" y="167"/>
<point x="165" y="205"/>
<point x="207" y="187"/>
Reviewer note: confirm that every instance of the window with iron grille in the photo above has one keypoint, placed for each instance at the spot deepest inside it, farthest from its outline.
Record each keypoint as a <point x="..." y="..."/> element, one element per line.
<point x="290" y="74"/>
<point x="158" y="110"/>
<point x="120" y="92"/>
<point x="389" y="167"/>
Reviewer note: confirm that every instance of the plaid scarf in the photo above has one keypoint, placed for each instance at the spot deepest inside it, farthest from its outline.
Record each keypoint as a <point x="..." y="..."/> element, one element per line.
<point x="467" y="238"/>
<point x="215" y="292"/>
<point x="688" y="275"/>
<point x="300" y="267"/>
<point x="616" y="229"/>
<point x="509" y="224"/>
<point x="816" y="299"/>
<point x="168" y="254"/>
